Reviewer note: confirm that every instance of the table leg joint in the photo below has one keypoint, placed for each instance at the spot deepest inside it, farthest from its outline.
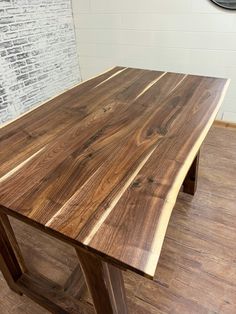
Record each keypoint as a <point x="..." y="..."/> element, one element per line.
<point x="105" y="284"/>
<point x="190" y="181"/>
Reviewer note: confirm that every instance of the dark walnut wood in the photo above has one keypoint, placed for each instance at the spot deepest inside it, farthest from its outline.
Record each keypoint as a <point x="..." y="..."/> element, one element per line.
<point x="101" y="165"/>
<point x="105" y="284"/>
<point x="55" y="298"/>
<point x="51" y="296"/>
<point x="9" y="264"/>
<point x="190" y="181"/>
<point x="198" y="254"/>
<point x="75" y="284"/>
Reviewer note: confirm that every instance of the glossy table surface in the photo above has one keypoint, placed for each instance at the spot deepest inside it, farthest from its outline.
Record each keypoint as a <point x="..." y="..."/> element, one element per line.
<point x="101" y="165"/>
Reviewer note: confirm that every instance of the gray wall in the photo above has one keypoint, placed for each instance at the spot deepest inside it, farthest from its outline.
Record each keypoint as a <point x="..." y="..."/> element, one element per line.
<point x="38" y="56"/>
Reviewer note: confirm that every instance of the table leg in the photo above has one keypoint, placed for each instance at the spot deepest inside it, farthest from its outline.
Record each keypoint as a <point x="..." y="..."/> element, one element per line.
<point x="190" y="182"/>
<point x="51" y="296"/>
<point x="75" y="284"/>
<point x="105" y="283"/>
<point x="10" y="266"/>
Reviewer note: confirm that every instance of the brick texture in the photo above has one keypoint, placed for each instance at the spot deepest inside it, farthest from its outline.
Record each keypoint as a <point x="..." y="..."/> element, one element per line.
<point x="38" y="56"/>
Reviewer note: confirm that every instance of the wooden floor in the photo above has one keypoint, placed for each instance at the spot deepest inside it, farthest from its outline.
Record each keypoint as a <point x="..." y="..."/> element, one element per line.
<point x="197" y="268"/>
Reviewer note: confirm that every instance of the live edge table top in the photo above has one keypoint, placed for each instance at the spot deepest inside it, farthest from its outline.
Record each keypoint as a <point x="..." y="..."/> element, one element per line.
<point x="101" y="164"/>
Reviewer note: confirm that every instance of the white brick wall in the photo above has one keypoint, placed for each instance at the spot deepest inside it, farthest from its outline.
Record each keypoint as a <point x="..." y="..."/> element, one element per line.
<point x="38" y="54"/>
<point x="193" y="36"/>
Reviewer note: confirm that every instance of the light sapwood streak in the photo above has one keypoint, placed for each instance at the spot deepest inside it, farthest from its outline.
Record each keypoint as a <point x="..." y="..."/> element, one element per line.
<point x="107" y="213"/>
<point x="116" y="199"/>
<point x="46" y="102"/>
<point x="173" y="193"/>
<point x="74" y="196"/>
<point x="14" y="170"/>
<point x="150" y="85"/>
<point x="109" y="78"/>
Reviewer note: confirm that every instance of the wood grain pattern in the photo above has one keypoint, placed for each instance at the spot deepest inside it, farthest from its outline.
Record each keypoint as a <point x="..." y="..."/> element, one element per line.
<point x="9" y="265"/>
<point x="105" y="284"/>
<point x="75" y="284"/>
<point x="51" y="296"/>
<point x="225" y="124"/>
<point x="102" y="164"/>
<point x="13" y="241"/>
<point x="47" y="293"/>
<point x="196" y="272"/>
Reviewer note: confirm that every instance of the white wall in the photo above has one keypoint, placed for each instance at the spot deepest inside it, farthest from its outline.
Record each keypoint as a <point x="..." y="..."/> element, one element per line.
<point x="192" y="36"/>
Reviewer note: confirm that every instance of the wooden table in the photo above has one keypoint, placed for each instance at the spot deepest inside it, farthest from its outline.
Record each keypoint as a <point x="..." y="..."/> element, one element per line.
<point x="100" y="167"/>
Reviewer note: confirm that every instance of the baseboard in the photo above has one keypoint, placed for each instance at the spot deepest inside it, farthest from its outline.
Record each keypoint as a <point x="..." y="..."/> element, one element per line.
<point x="224" y="124"/>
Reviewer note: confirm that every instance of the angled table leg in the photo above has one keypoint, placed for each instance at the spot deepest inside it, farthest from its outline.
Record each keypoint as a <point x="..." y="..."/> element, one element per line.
<point x="190" y="182"/>
<point x="10" y="265"/>
<point x="75" y="284"/>
<point x="105" y="284"/>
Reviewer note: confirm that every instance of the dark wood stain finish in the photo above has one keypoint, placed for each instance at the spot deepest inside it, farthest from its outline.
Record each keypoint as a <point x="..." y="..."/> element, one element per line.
<point x="105" y="284"/>
<point x="190" y="181"/>
<point x="75" y="284"/>
<point x="9" y="263"/>
<point x="100" y="166"/>
<point x="196" y="272"/>
<point x="51" y="296"/>
<point x="127" y="133"/>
